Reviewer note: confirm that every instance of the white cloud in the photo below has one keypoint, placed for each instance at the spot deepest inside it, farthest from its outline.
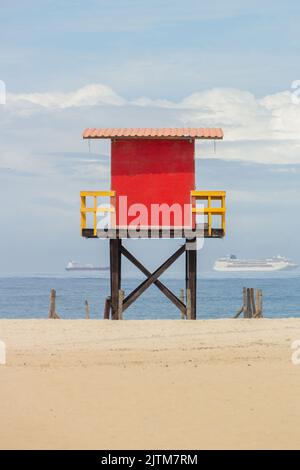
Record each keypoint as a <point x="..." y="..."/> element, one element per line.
<point x="263" y="130"/>
<point x="90" y="95"/>
<point x="241" y="114"/>
<point x="259" y="151"/>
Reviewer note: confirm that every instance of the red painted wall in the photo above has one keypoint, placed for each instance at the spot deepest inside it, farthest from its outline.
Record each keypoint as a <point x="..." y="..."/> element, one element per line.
<point x="152" y="171"/>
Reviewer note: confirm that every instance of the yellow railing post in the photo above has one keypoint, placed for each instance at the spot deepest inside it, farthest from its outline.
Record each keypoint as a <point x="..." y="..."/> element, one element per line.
<point x="83" y="212"/>
<point x="95" y="215"/>
<point x="209" y="215"/>
<point x="223" y="215"/>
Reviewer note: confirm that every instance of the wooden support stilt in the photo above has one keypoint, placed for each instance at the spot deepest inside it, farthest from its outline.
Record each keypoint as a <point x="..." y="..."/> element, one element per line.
<point x="191" y="274"/>
<point x="186" y="272"/>
<point x="120" y="263"/>
<point x="115" y="275"/>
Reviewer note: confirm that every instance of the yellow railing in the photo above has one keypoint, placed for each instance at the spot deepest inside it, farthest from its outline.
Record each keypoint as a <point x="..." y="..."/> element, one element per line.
<point x="205" y="196"/>
<point x="95" y="209"/>
<point x="209" y="196"/>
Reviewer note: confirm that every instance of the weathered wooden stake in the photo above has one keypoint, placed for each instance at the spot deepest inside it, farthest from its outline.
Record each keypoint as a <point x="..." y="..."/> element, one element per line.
<point x="244" y="306"/>
<point x="52" y="309"/>
<point x="252" y="303"/>
<point x="260" y="303"/>
<point x="87" y="310"/>
<point x="107" y="306"/>
<point x="188" y="305"/>
<point x="120" y="307"/>
<point x="257" y="303"/>
<point x="247" y="313"/>
<point x="244" y="310"/>
<point x="258" y="308"/>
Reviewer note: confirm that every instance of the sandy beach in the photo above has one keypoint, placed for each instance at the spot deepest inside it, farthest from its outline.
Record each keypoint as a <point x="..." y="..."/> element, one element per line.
<point x="71" y="384"/>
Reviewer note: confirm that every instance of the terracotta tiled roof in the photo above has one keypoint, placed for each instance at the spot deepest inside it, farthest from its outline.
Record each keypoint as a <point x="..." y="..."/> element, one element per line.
<point x="156" y="133"/>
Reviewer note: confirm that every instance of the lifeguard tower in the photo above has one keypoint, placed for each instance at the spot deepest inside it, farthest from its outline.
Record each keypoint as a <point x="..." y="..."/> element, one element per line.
<point x="153" y="195"/>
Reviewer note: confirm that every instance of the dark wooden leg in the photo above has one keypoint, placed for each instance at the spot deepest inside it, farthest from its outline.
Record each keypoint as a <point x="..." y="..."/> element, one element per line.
<point x="186" y="269"/>
<point x="191" y="274"/>
<point x="119" y="262"/>
<point x="115" y="275"/>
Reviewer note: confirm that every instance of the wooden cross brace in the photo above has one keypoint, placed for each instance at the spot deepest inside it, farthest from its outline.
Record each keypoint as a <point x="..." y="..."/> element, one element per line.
<point x="116" y="250"/>
<point x="152" y="278"/>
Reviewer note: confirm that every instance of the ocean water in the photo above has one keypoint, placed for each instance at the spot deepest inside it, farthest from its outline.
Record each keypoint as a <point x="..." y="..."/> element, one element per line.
<point x="218" y="296"/>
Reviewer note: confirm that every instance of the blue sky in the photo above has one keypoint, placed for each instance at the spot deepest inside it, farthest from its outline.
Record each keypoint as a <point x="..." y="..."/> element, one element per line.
<point x="69" y="65"/>
<point x="158" y="48"/>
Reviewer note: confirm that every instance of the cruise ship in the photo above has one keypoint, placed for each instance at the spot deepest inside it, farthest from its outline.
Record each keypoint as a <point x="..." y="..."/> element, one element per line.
<point x="73" y="266"/>
<point x="232" y="263"/>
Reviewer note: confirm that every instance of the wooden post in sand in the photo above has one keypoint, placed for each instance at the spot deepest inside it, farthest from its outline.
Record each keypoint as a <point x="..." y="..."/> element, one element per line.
<point x="260" y="296"/>
<point x="252" y="307"/>
<point x="258" y="306"/>
<point x="87" y="310"/>
<point x="52" y="309"/>
<point x="252" y="304"/>
<point x="244" y="309"/>
<point x="244" y="306"/>
<point x="248" y="313"/>
<point x="107" y="306"/>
